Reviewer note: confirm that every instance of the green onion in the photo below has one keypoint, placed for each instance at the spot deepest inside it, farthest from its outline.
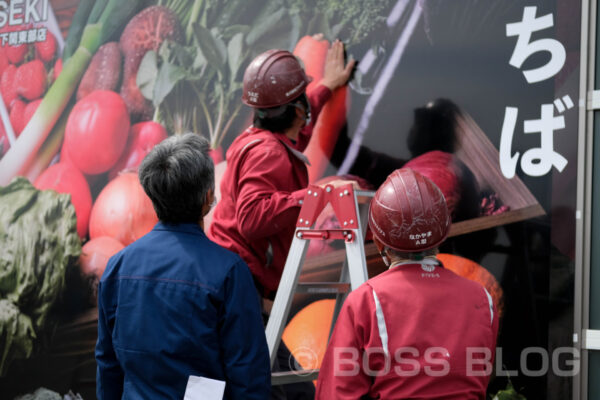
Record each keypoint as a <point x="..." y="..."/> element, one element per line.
<point x="78" y="23"/>
<point x="50" y="148"/>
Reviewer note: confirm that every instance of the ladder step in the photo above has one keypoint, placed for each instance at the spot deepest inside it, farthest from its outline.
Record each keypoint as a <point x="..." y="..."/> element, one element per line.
<point x="323" y="287"/>
<point x="287" y="377"/>
<point x="364" y="196"/>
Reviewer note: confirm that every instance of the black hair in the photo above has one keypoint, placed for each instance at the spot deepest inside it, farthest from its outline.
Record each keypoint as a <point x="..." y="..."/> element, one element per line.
<point x="281" y="118"/>
<point x="434" y="128"/>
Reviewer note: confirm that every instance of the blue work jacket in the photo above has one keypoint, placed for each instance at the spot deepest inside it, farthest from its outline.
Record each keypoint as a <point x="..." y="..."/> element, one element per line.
<point x="174" y="304"/>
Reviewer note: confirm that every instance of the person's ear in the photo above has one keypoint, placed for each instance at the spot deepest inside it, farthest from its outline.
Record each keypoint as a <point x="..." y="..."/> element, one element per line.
<point x="380" y="246"/>
<point x="208" y="201"/>
<point x="300" y="115"/>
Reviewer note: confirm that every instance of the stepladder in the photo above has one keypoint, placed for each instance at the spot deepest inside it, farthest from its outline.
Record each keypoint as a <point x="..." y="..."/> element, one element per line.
<point x="350" y="207"/>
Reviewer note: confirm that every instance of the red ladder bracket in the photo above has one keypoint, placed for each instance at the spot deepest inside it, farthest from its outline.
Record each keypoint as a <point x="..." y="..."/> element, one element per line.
<point x="317" y="198"/>
<point x="321" y="234"/>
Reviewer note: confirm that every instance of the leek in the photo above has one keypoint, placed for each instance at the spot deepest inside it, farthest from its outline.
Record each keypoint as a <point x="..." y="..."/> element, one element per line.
<point x="48" y="152"/>
<point x="106" y="18"/>
<point x="78" y="23"/>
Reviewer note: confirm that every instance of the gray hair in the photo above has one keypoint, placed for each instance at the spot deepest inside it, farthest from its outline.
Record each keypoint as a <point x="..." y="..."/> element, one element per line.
<point x="177" y="175"/>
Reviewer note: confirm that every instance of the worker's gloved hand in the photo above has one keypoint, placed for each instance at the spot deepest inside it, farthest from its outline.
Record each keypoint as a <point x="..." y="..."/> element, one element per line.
<point x="341" y="182"/>
<point x="336" y="74"/>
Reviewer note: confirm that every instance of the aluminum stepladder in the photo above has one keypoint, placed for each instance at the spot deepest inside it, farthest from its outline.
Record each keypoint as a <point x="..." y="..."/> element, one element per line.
<point x="350" y="207"/>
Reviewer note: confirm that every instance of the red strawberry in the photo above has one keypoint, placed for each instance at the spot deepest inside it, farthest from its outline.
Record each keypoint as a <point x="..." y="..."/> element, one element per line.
<point x="29" y="111"/>
<point x="31" y="80"/>
<point x="16" y="54"/>
<point x="16" y="117"/>
<point x="7" y="85"/>
<point x="46" y="49"/>
<point x="57" y="69"/>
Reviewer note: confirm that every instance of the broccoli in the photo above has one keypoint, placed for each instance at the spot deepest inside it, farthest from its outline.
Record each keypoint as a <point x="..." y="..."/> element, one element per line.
<point x="354" y="20"/>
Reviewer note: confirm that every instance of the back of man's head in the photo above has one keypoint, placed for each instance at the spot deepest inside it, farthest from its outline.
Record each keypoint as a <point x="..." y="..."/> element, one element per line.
<point x="178" y="175"/>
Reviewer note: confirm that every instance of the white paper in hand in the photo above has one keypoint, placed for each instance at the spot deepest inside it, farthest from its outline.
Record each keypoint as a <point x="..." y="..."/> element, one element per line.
<point x="201" y="388"/>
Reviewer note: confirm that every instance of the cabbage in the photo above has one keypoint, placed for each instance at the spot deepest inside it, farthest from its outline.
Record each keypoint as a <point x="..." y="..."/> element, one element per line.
<point x="38" y="242"/>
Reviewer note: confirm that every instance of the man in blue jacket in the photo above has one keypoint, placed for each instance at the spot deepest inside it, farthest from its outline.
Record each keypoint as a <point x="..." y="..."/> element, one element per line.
<point x="177" y="314"/>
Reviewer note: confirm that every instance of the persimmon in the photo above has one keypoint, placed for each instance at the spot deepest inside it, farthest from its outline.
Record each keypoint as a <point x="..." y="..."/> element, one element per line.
<point x="307" y="333"/>
<point x="475" y="272"/>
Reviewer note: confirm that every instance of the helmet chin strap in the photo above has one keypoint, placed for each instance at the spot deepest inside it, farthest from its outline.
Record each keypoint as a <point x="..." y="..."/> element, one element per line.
<point x="385" y="257"/>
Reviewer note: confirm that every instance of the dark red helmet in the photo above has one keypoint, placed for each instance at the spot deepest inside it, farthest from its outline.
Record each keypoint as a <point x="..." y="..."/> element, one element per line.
<point x="272" y="79"/>
<point x="409" y="212"/>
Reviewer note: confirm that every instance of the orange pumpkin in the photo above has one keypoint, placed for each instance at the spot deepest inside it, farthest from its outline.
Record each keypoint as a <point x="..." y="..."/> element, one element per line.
<point x="307" y="333"/>
<point x="475" y="272"/>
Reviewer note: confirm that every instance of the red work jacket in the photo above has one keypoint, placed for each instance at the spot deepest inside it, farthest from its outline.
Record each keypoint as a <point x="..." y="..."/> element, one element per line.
<point x="415" y="331"/>
<point x="261" y="195"/>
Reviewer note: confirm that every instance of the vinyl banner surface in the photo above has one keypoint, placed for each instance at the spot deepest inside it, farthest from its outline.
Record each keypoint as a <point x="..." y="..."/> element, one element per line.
<point x="482" y="97"/>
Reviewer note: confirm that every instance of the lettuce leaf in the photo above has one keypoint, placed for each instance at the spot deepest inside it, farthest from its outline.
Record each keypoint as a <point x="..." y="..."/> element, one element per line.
<point x="39" y="241"/>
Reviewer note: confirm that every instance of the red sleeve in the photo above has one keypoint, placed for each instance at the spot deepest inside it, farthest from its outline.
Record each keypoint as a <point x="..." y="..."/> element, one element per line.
<point x="317" y="98"/>
<point x="262" y="208"/>
<point x="341" y="376"/>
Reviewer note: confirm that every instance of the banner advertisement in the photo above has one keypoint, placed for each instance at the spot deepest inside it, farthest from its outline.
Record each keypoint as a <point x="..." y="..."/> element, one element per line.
<point x="480" y="97"/>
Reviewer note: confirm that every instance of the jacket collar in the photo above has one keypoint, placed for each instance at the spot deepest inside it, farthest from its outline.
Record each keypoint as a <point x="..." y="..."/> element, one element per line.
<point x="184" y="228"/>
<point x="286" y="141"/>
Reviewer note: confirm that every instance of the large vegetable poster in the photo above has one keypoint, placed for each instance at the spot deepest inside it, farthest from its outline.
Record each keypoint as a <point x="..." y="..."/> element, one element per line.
<point x="481" y="97"/>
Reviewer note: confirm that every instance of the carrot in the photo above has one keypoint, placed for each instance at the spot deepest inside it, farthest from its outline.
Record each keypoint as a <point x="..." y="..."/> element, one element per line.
<point x="326" y="132"/>
<point x="312" y="50"/>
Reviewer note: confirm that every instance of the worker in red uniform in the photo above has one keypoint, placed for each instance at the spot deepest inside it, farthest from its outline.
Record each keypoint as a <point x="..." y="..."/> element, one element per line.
<point x="416" y="331"/>
<point x="266" y="176"/>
